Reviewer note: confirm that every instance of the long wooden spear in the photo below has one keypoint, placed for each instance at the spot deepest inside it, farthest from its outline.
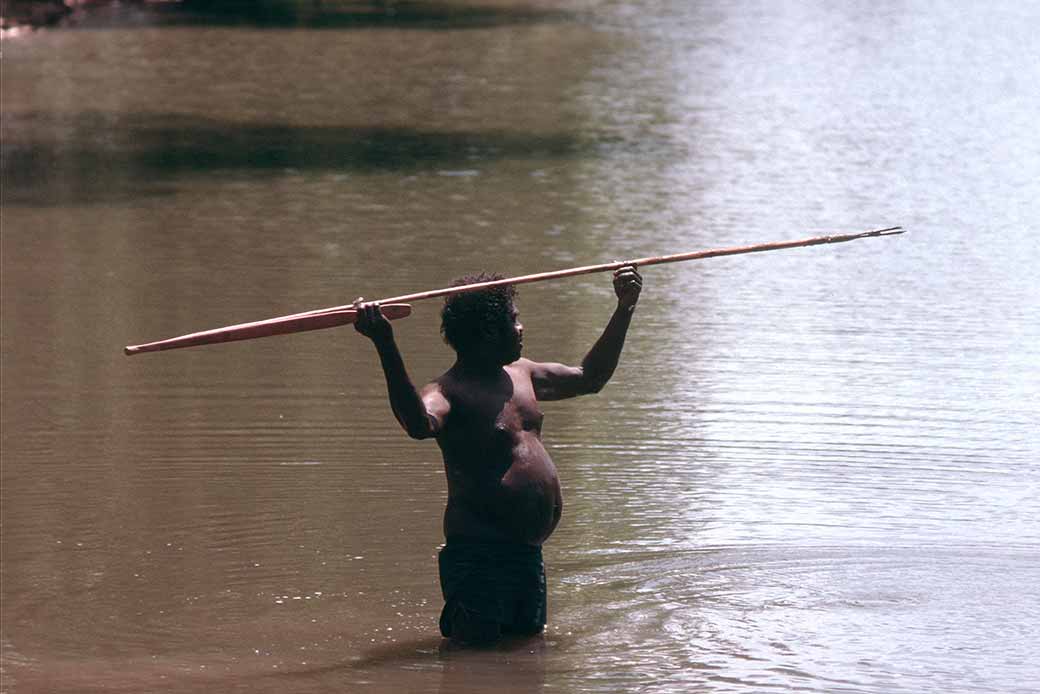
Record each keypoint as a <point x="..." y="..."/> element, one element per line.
<point x="397" y="307"/>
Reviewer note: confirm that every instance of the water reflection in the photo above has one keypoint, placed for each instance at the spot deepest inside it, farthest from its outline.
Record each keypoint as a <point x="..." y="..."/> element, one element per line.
<point x="515" y="665"/>
<point x="814" y="470"/>
<point x="92" y="156"/>
<point x="428" y="15"/>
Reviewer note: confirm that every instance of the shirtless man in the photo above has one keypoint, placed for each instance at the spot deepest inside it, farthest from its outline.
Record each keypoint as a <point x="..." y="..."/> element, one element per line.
<point x="504" y="496"/>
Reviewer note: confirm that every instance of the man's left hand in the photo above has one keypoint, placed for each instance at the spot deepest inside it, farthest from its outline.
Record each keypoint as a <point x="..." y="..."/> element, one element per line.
<point x="627" y="285"/>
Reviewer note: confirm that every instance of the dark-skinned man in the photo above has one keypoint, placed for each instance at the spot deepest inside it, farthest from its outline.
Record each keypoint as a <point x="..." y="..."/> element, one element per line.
<point x="504" y="496"/>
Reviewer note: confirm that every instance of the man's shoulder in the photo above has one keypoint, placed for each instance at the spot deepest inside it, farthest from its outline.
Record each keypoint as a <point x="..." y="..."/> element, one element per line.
<point x="525" y="364"/>
<point x="441" y="383"/>
<point x="525" y="368"/>
<point x="537" y="369"/>
<point x="448" y="384"/>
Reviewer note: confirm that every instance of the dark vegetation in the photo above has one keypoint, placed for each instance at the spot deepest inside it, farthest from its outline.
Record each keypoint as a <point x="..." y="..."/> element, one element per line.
<point x="32" y="13"/>
<point x="105" y="155"/>
<point x="317" y="14"/>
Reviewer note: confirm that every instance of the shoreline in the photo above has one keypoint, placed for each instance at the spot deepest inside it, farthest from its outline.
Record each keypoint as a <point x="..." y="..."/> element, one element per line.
<point x="19" y="17"/>
<point x="24" y="16"/>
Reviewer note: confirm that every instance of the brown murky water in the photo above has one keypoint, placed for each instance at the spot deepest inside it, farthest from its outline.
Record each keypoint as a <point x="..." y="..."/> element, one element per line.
<point x="815" y="470"/>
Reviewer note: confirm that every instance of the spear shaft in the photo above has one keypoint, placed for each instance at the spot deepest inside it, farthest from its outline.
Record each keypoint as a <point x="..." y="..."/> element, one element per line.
<point x="396" y="306"/>
<point x="638" y="262"/>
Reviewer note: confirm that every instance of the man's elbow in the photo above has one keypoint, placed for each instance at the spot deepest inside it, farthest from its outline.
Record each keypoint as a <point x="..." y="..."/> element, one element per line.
<point x="420" y="430"/>
<point x="592" y="380"/>
<point x="418" y="433"/>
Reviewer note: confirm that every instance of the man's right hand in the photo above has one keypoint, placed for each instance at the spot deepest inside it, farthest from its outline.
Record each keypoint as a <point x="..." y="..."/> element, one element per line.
<point x="371" y="322"/>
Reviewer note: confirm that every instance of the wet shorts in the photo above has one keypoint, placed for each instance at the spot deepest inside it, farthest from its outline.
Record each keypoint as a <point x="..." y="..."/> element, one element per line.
<point x="497" y="585"/>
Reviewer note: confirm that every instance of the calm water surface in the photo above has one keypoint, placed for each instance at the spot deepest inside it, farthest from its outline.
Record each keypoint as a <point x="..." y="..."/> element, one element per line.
<point x="815" y="470"/>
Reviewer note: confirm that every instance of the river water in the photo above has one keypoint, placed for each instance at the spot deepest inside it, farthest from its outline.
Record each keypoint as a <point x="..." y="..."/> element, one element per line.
<point x="815" y="470"/>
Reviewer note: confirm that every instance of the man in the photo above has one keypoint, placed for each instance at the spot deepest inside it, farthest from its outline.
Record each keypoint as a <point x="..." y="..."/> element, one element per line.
<point x="504" y="496"/>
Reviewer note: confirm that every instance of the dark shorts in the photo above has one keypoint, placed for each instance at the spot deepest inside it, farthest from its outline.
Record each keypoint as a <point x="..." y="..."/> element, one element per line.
<point x="493" y="587"/>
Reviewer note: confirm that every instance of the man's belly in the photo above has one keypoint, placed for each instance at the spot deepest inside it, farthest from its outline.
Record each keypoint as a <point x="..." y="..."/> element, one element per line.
<point x="522" y="505"/>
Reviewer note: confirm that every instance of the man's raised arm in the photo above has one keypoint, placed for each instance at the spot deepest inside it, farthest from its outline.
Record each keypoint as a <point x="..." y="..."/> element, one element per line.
<point x="420" y="415"/>
<point x="556" y="381"/>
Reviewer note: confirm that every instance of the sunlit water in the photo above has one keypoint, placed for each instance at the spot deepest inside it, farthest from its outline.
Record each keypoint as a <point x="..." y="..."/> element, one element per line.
<point x="815" y="470"/>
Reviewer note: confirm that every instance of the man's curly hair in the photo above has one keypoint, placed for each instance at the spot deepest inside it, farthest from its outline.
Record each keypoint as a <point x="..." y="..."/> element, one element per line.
<point x="468" y="318"/>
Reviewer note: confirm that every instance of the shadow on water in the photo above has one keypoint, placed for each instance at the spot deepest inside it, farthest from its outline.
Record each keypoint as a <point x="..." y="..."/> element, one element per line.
<point x="95" y="157"/>
<point x="514" y="665"/>
<point x="315" y="14"/>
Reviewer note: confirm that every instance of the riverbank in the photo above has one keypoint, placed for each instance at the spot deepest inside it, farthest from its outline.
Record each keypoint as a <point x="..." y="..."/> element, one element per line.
<point x="17" y="16"/>
<point x="23" y="16"/>
<point x="28" y="15"/>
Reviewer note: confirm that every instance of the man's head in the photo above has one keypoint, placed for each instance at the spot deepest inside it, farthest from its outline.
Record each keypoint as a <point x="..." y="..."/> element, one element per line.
<point x="483" y="324"/>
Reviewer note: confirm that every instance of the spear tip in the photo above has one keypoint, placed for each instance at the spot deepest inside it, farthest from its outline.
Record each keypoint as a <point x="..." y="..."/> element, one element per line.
<point x="891" y="231"/>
